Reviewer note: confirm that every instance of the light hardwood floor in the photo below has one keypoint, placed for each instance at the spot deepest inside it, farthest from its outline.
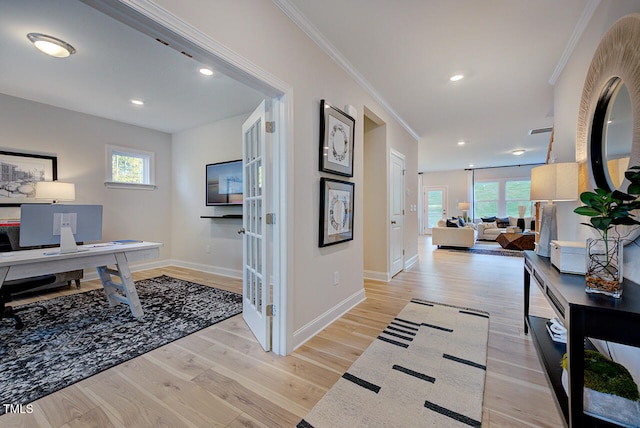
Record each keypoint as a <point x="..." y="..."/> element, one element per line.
<point x="221" y="377"/>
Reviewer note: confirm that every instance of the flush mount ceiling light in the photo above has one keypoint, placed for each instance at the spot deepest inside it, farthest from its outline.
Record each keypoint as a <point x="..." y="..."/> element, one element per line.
<point x="137" y="102"/>
<point x="206" y="71"/>
<point x="518" y="152"/>
<point x="51" y="45"/>
<point x="456" y="77"/>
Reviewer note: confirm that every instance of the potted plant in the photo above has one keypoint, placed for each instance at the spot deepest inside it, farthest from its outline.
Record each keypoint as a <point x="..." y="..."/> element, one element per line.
<point x="608" y="209"/>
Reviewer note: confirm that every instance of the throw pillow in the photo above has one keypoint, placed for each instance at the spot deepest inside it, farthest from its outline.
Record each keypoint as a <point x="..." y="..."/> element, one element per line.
<point x="502" y="222"/>
<point x="461" y="222"/>
<point x="442" y="223"/>
<point x="489" y="219"/>
<point x="452" y="223"/>
<point x="490" y="225"/>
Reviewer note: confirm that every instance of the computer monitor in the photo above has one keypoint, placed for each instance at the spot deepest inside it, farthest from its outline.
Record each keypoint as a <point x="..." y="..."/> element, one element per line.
<point x="51" y="224"/>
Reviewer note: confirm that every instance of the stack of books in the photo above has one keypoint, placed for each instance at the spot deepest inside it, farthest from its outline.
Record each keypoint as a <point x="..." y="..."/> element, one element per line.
<point x="557" y="331"/>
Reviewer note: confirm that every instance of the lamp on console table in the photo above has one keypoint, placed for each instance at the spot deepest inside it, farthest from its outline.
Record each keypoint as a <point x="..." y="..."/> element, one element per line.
<point x="553" y="182"/>
<point x="464" y="207"/>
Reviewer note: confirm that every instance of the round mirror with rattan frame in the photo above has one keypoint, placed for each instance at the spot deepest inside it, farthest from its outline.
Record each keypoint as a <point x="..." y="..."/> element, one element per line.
<point x="617" y="57"/>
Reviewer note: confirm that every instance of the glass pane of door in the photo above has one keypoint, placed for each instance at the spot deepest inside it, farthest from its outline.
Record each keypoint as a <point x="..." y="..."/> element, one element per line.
<point x="435" y="207"/>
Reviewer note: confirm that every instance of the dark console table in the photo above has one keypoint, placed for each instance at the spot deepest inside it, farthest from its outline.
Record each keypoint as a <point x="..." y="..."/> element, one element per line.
<point x="585" y="316"/>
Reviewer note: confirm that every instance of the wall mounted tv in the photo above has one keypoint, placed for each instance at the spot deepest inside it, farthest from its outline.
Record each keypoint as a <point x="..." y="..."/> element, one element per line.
<point x="224" y="183"/>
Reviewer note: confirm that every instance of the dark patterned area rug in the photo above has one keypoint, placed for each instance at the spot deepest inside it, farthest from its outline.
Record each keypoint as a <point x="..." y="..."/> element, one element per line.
<point x="82" y="335"/>
<point x="427" y="368"/>
<point x="493" y="249"/>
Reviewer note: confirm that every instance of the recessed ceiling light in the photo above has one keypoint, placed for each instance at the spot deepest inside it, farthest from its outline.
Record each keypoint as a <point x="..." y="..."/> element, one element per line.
<point x="470" y="165"/>
<point x="137" y="102"/>
<point x="456" y="77"/>
<point x="461" y="143"/>
<point x="206" y="71"/>
<point x="51" y="45"/>
<point x="518" y="152"/>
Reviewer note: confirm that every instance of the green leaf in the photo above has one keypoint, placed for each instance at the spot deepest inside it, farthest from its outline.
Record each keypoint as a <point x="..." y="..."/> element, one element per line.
<point x="622" y="196"/>
<point x="588" y="211"/>
<point x="601" y="223"/>
<point x="587" y="197"/>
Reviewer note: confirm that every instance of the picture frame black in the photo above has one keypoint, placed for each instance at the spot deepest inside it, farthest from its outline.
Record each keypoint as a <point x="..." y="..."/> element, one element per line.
<point x="336" y="211"/>
<point x="337" y="133"/>
<point x="18" y="174"/>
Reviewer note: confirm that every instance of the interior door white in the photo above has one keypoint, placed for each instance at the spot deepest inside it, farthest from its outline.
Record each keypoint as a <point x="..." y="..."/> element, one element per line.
<point x="396" y="212"/>
<point x="257" y="288"/>
<point x="435" y="206"/>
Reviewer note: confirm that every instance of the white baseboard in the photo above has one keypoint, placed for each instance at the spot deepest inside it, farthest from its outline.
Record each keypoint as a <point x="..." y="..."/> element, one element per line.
<point x="90" y="274"/>
<point x="377" y="276"/>
<point x="410" y="262"/>
<point x="232" y="273"/>
<point x="314" y="327"/>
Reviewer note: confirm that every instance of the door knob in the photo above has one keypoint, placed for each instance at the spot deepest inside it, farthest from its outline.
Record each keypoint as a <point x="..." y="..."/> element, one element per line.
<point x="241" y="231"/>
<point x="393" y="222"/>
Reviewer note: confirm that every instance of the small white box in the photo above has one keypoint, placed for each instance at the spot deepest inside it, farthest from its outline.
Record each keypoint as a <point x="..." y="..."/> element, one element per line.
<point x="569" y="256"/>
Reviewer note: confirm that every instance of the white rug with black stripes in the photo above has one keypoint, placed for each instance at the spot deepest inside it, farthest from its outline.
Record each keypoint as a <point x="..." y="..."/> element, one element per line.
<point x="427" y="368"/>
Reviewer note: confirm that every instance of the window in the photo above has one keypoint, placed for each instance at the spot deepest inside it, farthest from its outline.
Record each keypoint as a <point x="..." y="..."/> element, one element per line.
<point x="501" y="198"/>
<point x="130" y="168"/>
<point x="487" y="198"/>
<point x="516" y="193"/>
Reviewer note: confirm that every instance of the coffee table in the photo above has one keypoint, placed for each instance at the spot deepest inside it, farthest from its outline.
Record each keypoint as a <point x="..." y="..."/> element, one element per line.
<point x="516" y="241"/>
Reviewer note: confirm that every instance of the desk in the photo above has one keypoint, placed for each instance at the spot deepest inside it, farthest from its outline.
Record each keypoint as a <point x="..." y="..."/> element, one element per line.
<point x="584" y="315"/>
<point x="25" y="264"/>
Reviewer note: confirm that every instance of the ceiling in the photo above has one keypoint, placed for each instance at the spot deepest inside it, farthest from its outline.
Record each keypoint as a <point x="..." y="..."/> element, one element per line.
<point x="406" y="51"/>
<point x="509" y="51"/>
<point x="112" y="65"/>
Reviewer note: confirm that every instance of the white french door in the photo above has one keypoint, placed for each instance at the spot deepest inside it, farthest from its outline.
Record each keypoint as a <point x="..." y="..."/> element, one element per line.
<point x="257" y="288"/>
<point x="435" y="206"/>
<point x="396" y="212"/>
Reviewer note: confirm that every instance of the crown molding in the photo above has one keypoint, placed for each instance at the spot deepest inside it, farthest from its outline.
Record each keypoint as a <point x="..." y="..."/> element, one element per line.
<point x="587" y="13"/>
<point x="314" y="34"/>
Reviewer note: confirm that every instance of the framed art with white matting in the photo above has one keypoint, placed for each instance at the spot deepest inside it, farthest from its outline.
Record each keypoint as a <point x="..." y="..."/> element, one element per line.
<point x="337" y="131"/>
<point x="336" y="211"/>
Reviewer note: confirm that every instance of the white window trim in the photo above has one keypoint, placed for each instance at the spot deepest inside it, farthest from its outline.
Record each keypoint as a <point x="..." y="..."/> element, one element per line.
<point x="108" y="182"/>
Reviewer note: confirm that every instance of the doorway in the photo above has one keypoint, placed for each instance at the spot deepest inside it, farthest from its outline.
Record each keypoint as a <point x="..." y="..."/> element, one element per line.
<point x="156" y="22"/>
<point x="435" y="206"/>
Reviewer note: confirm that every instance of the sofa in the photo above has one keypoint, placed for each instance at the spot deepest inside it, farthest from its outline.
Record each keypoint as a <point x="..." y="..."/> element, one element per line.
<point x="490" y="227"/>
<point x="453" y="236"/>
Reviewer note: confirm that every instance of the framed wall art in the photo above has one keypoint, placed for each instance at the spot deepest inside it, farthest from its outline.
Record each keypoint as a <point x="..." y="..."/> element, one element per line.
<point x="337" y="131"/>
<point x="19" y="173"/>
<point x="336" y="211"/>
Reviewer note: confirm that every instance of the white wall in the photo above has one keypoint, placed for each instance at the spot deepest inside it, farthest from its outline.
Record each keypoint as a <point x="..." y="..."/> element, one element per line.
<point x="192" y="236"/>
<point x="261" y="33"/>
<point x="78" y="140"/>
<point x="568" y="93"/>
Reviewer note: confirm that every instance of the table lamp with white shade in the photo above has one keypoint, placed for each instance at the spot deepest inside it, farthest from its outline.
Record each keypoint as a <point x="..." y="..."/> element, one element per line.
<point x="56" y="191"/>
<point x="553" y="182"/>
<point x="464" y="207"/>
